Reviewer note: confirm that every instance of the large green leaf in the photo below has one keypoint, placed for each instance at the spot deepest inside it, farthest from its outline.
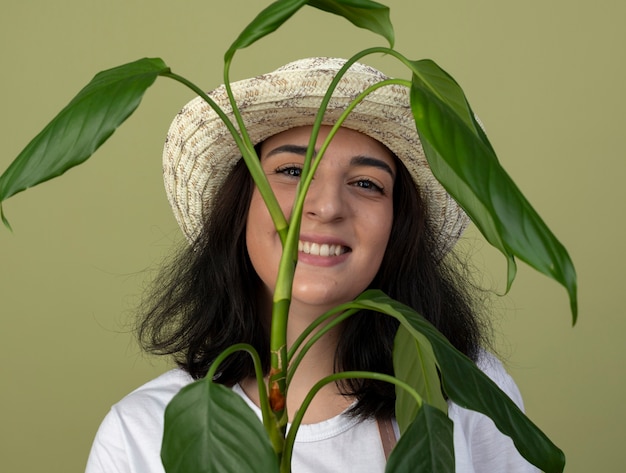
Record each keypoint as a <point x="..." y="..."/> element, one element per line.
<point x="82" y="126"/>
<point x="443" y="86"/>
<point x="414" y="363"/>
<point x="469" y="387"/>
<point x="266" y="22"/>
<point x="363" y="13"/>
<point x="426" y="446"/>
<point x="210" y="429"/>
<point x="464" y="162"/>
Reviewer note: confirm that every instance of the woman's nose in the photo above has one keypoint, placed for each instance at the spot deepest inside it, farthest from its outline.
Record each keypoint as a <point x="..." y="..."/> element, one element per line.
<point x="324" y="201"/>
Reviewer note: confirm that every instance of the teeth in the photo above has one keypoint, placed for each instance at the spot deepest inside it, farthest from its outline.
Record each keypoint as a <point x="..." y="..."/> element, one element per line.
<point x="317" y="249"/>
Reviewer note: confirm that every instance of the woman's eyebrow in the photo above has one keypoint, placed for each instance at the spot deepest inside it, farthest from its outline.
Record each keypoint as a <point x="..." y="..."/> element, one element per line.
<point x="293" y="149"/>
<point x="374" y="162"/>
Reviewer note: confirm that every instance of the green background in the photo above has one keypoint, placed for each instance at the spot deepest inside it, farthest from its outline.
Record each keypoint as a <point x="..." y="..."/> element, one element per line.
<point x="546" y="77"/>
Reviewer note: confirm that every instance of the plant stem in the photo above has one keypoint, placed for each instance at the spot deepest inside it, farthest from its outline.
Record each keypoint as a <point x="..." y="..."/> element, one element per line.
<point x="278" y="370"/>
<point x="279" y="377"/>
<point x="285" y="466"/>
<point x="295" y="362"/>
<point x="247" y="150"/>
<point x="276" y="437"/>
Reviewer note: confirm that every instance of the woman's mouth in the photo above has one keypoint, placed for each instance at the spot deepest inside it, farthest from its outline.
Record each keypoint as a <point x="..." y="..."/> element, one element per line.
<point x="321" y="249"/>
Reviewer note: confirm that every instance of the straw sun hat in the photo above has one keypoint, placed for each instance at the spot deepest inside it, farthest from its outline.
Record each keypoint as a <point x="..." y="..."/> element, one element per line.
<point x="199" y="151"/>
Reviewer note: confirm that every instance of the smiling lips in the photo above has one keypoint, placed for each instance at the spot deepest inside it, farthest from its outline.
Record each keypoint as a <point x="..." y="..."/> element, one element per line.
<point x="321" y="249"/>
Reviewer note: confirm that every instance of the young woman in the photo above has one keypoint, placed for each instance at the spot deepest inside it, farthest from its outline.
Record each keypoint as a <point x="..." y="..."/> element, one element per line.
<point x="375" y="217"/>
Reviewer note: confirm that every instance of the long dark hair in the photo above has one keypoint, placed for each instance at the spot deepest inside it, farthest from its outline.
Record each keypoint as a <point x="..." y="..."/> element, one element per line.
<point x="208" y="298"/>
<point x="413" y="272"/>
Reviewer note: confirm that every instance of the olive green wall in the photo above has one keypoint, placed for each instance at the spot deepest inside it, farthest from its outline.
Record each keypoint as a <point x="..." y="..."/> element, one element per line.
<point x="547" y="79"/>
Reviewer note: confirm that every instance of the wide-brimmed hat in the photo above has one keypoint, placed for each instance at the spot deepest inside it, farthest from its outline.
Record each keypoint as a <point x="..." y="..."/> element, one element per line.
<point x="199" y="151"/>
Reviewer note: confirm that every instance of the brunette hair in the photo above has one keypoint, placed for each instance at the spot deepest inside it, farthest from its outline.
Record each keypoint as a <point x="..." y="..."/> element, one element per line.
<point x="208" y="298"/>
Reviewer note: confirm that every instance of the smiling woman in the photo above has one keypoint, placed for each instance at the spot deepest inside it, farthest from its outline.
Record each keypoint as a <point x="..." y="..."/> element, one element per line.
<point x="76" y="260"/>
<point x="349" y="207"/>
<point x="374" y="217"/>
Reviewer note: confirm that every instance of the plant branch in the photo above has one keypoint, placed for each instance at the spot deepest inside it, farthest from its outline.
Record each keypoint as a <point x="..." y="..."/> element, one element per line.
<point x="276" y="437"/>
<point x="293" y="364"/>
<point x="247" y="151"/>
<point x="297" y="420"/>
<point x="279" y="376"/>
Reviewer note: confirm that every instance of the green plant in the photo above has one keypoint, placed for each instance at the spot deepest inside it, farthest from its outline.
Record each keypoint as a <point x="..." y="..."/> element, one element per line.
<point x="461" y="158"/>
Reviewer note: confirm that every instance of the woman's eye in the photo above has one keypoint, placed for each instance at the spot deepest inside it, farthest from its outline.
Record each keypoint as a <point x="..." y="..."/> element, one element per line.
<point x="291" y="171"/>
<point x="368" y="185"/>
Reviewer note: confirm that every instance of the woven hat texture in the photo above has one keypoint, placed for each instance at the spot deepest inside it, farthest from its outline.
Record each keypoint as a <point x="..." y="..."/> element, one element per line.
<point x="199" y="151"/>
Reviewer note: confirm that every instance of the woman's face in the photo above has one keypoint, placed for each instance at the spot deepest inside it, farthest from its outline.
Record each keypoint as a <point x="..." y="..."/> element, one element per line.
<point x="346" y="221"/>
